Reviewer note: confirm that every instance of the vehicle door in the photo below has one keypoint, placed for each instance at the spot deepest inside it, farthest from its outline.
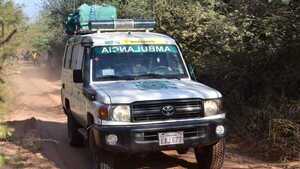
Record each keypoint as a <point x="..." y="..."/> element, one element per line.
<point x="63" y="78"/>
<point x="86" y="71"/>
<point x="67" y="74"/>
<point x="78" y="96"/>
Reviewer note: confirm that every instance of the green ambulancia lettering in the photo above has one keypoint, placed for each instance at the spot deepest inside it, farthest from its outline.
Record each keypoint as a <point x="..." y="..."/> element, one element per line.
<point x="137" y="49"/>
<point x="122" y="49"/>
<point x="144" y="49"/>
<point x="105" y="51"/>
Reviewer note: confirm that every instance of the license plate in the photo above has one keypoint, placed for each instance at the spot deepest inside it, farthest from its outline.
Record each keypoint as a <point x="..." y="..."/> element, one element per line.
<point x="171" y="138"/>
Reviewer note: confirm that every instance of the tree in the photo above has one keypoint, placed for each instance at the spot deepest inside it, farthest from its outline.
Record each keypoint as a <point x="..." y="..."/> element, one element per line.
<point x="10" y="35"/>
<point x="12" y="18"/>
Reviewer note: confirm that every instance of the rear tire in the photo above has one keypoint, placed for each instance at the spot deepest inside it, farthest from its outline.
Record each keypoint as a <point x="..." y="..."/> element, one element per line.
<point x="75" y="138"/>
<point x="211" y="157"/>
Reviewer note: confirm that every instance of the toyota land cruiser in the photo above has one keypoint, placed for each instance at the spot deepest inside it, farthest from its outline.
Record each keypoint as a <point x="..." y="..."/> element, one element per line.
<point x="130" y="91"/>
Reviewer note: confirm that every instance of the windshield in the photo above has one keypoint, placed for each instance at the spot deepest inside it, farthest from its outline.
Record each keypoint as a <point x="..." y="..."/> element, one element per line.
<point x="132" y="62"/>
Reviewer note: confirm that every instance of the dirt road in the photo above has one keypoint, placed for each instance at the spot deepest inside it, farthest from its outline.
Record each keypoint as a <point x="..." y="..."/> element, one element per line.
<point x="40" y="135"/>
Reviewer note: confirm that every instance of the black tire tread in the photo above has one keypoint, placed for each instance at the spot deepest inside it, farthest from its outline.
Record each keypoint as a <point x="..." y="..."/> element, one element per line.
<point x="211" y="157"/>
<point x="101" y="159"/>
<point x="182" y="151"/>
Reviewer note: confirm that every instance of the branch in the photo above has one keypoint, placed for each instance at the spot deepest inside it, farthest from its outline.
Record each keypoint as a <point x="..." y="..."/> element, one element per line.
<point x="7" y="39"/>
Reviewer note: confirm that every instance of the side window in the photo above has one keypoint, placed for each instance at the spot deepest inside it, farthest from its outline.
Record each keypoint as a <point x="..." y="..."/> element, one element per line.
<point x="74" y="57"/>
<point x="86" y="66"/>
<point x="68" y="57"/>
<point x="77" y="57"/>
<point x="80" y="55"/>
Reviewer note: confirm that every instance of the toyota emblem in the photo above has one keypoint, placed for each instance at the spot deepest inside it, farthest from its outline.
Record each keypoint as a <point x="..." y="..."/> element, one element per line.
<point x="168" y="110"/>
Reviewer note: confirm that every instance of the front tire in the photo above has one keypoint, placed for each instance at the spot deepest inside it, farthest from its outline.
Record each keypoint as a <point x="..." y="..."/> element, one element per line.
<point x="211" y="157"/>
<point x="75" y="138"/>
<point x="101" y="159"/>
<point x="182" y="151"/>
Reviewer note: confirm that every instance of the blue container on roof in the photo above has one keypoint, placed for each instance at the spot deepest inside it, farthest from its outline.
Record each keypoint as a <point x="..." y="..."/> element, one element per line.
<point x="89" y="13"/>
<point x="79" y="20"/>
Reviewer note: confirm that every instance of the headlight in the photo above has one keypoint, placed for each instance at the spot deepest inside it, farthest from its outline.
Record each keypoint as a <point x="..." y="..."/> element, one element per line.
<point x="212" y="107"/>
<point x="120" y="113"/>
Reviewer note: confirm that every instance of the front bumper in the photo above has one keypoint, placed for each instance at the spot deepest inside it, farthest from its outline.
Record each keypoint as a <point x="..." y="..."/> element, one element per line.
<point x="144" y="138"/>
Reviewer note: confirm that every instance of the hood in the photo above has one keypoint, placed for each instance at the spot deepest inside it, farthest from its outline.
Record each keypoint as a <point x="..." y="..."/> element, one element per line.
<point x="126" y="92"/>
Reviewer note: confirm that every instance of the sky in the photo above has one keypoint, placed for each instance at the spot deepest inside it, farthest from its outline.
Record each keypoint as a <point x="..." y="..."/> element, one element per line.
<point x="31" y="8"/>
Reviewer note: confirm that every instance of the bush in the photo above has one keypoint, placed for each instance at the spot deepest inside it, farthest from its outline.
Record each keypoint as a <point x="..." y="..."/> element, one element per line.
<point x="284" y="139"/>
<point x="248" y="50"/>
<point x="5" y="132"/>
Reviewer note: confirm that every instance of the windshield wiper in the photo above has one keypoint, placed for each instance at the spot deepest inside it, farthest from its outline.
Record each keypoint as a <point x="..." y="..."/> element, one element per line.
<point x="114" y="77"/>
<point x="154" y="76"/>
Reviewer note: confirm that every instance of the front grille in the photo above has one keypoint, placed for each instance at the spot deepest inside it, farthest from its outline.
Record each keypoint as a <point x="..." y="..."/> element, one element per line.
<point x="189" y="133"/>
<point x="152" y="110"/>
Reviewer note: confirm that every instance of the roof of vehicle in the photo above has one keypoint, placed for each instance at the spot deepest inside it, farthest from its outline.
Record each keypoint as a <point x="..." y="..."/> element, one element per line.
<point x="129" y="38"/>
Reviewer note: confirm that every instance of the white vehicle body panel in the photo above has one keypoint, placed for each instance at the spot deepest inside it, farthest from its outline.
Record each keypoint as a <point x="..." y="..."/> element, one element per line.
<point x="125" y="38"/>
<point x="126" y="92"/>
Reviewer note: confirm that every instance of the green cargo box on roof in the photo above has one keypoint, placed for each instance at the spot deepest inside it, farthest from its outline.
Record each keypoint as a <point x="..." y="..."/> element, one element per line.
<point x="79" y="20"/>
<point x="96" y="12"/>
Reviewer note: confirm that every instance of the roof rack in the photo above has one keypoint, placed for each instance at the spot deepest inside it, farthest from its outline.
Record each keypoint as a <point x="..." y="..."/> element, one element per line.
<point x="89" y="19"/>
<point x="118" y="25"/>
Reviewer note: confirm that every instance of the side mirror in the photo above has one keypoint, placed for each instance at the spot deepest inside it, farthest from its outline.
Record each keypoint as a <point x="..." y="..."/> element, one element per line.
<point x="77" y="76"/>
<point x="89" y="93"/>
<point x="192" y="72"/>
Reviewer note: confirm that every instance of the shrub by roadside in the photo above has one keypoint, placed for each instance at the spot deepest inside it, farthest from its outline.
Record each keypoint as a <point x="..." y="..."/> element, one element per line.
<point x="284" y="139"/>
<point x="273" y="130"/>
<point x="2" y="160"/>
<point x="5" y="132"/>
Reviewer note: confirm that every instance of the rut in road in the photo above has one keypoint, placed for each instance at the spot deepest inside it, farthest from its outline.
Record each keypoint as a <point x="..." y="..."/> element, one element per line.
<point x="40" y="134"/>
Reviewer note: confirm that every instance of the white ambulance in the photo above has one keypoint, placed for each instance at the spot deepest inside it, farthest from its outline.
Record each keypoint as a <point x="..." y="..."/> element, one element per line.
<point x="126" y="91"/>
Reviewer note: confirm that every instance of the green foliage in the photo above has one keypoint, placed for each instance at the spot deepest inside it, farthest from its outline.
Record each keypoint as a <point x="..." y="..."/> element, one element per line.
<point x="13" y="19"/>
<point x="137" y="9"/>
<point x="247" y="49"/>
<point x="10" y="14"/>
<point x="2" y="160"/>
<point x="285" y="136"/>
<point x="38" y="35"/>
<point x="5" y="132"/>
<point x="202" y="32"/>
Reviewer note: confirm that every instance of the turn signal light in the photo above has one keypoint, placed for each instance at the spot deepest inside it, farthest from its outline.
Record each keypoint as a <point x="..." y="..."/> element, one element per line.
<point x="103" y="112"/>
